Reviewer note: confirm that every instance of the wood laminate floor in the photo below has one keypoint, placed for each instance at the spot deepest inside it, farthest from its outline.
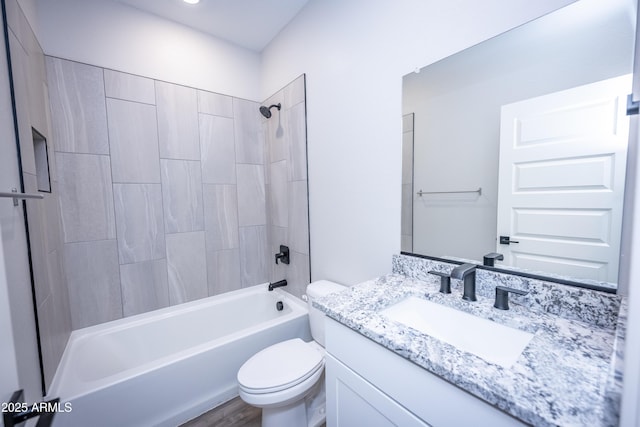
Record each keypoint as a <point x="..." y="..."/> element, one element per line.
<point x="234" y="413"/>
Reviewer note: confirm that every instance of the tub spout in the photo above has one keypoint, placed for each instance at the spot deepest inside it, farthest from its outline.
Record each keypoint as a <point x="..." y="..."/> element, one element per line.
<point x="279" y="284"/>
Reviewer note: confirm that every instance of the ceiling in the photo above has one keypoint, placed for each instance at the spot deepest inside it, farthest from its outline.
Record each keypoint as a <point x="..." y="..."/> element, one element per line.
<point x="248" y="23"/>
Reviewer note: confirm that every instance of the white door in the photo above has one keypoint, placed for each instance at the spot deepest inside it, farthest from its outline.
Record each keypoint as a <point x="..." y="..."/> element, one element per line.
<point x="561" y="180"/>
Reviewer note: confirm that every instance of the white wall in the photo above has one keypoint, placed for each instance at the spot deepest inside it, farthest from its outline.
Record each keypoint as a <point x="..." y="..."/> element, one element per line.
<point x="111" y="35"/>
<point x="355" y="53"/>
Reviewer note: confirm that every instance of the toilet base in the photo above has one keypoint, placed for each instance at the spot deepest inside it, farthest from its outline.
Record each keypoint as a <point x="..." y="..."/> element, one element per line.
<point x="307" y="412"/>
<point x="294" y="414"/>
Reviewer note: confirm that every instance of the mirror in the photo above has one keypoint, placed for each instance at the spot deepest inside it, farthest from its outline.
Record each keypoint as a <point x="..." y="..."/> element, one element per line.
<point x="485" y="153"/>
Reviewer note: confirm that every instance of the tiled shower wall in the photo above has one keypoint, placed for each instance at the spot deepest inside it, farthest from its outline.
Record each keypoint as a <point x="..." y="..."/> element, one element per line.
<point x="287" y="201"/>
<point x="163" y="191"/>
<point x="43" y="217"/>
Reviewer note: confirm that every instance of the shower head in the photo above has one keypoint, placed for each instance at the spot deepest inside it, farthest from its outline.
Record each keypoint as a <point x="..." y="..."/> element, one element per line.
<point x="267" y="111"/>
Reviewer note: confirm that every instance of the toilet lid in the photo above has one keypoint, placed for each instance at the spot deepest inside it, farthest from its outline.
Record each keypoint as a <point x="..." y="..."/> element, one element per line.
<point x="280" y="366"/>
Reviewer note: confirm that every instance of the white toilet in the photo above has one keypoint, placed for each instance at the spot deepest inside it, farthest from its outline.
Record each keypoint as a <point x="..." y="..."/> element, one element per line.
<point x="286" y="379"/>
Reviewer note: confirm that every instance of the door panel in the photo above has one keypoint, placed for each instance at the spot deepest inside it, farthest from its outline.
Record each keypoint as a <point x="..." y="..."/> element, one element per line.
<point x="562" y="172"/>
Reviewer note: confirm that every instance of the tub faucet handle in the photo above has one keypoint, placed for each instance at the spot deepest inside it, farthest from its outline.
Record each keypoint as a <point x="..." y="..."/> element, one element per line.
<point x="283" y="255"/>
<point x="502" y="296"/>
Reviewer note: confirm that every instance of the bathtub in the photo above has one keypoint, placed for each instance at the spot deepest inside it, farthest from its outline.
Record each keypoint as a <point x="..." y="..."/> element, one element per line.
<point x="165" y="367"/>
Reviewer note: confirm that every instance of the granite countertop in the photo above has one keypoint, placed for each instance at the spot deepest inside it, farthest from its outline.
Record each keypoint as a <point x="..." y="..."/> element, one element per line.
<point x="569" y="375"/>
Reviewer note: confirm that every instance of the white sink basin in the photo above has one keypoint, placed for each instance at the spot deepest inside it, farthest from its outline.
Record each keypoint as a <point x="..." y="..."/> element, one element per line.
<point x="489" y="340"/>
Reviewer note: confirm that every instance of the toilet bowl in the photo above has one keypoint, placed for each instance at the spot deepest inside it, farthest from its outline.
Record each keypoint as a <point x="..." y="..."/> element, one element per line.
<point x="286" y="379"/>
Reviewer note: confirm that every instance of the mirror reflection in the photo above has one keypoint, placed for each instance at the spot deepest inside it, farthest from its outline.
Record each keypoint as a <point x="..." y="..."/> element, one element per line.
<point x="518" y="146"/>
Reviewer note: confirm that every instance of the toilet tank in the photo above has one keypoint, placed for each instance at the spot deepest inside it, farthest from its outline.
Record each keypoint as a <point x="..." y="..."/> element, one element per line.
<point x="317" y="290"/>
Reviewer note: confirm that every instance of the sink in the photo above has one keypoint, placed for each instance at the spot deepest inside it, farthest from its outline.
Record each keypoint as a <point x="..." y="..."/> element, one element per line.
<point x="489" y="340"/>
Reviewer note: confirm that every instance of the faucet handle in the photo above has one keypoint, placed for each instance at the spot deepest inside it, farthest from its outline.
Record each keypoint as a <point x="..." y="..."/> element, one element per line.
<point x="490" y="259"/>
<point x="445" y="281"/>
<point x="502" y="296"/>
<point x="283" y="255"/>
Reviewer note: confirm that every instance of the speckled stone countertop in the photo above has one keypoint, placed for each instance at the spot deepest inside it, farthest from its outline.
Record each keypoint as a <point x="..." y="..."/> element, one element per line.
<point x="569" y="375"/>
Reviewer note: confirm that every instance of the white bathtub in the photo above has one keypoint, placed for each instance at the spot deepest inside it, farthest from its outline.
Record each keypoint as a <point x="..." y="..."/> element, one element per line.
<point x="165" y="367"/>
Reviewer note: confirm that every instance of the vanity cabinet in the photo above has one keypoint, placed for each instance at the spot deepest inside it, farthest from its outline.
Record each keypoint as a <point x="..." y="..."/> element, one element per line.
<point x="353" y="401"/>
<point x="368" y="384"/>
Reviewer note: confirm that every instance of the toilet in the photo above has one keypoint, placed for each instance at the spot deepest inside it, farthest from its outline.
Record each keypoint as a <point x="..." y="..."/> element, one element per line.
<point x="286" y="379"/>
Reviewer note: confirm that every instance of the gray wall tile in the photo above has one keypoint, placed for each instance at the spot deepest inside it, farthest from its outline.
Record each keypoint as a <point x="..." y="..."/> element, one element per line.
<point x="287" y="211"/>
<point x="19" y="66"/>
<point x="275" y="124"/>
<point x="221" y="216"/>
<point x="298" y="275"/>
<point x="55" y="316"/>
<point x="277" y="137"/>
<point x="214" y="103"/>
<point x="294" y="92"/>
<point x="248" y="132"/>
<point x="278" y="194"/>
<point x="297" y="143"/>
<point x="78" y="113"/>
<point x="275" y="130"/>
<point x="187" y="266"/>
<point x="53" y="228"/>
<point x="46" y="312"/>
<point x="86" y="199"/>
<point x="133" y="135"/>
<point x="37" y="241"/>
<point x="217" y="148"/>
<point x="145" y="286"/>
<point x="182" y="195"/>
<point x="139" y="221"/>
<point x="298" y="217"/>
<point x="277" y="236"/>
<point x="94" y="282"/>
<point x="129" y="87"/>
<point x="254" y="255"/>
<point x="51" y="146"/>
<point x="177" y="121"/>
<point x="251" y="195"/>
<point x="38" y="92"/>
<point x="49" y="364"/>
<point x="60" y="295"/>
<point x="223" y="271"/>
<point x="223" y="232"/>
<point x="45" y="233"/>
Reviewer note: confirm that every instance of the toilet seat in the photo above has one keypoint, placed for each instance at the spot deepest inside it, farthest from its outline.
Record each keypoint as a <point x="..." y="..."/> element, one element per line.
<point x="280" y="366"/>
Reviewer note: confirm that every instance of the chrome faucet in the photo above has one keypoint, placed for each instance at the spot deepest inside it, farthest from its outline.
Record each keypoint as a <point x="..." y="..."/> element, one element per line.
<point x="466" y="273"/>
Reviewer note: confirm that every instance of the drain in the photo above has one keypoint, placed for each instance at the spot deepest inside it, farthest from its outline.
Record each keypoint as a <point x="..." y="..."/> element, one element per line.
<point x="279" y="306"/>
